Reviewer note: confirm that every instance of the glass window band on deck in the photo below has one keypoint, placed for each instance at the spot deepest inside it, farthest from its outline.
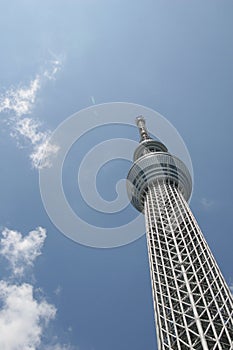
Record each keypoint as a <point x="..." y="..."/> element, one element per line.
<point x="154" y="166"/>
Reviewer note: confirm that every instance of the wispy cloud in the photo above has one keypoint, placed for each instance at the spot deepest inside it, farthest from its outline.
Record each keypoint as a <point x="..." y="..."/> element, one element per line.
<point x="42" y="149"/>
<point x="58" y="290"/>
<point x="41" y="156"/>
<point x="207" y="203"/>
<point x="18" y="103"/>
<point x="20" y="251"/>
<point x="55" y="67"/>
<point x="21" y="99"/>
<point x="29" y="129"/>
<point x="25" y="314"/>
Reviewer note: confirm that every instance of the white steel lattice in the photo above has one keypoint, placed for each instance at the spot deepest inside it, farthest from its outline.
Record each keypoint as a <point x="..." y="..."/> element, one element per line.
<point x="193" y="305"/>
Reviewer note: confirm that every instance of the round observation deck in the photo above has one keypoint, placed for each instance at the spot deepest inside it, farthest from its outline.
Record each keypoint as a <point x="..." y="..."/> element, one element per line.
<point x="148" y="146"/>
<point x="156" y="165"/>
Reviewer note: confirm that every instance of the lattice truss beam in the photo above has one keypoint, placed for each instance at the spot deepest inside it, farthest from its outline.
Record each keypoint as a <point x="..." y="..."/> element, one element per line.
<point x="193" y="305"/>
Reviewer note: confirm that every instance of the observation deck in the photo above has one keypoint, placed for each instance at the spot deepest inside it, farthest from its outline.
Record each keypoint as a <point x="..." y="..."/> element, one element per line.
<point x="153" y="162"/>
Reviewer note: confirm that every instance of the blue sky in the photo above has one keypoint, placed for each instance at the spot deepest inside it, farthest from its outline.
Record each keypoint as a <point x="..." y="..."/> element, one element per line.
<point x="57" y="58"/>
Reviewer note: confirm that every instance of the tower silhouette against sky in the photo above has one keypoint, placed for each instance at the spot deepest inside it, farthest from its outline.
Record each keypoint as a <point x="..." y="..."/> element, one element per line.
<point x="193" y="305"/>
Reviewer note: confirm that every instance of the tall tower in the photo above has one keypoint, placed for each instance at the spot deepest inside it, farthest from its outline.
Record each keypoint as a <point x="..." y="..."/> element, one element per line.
<point x="193" y="305"/>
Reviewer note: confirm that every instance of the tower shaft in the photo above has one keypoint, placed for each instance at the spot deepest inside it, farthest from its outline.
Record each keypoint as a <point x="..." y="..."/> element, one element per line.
<point x="193" y="305"/>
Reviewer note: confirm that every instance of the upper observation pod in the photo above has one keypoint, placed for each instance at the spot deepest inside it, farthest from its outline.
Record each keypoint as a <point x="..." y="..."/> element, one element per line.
<point x="153" y="162"/>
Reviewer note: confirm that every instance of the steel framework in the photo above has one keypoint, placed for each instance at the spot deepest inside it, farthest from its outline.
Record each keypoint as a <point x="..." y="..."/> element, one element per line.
<point x="192" y="302"/>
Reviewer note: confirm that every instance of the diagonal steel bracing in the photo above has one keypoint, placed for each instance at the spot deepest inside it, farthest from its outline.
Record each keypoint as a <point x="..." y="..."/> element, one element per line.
<point x="193" y="305"/>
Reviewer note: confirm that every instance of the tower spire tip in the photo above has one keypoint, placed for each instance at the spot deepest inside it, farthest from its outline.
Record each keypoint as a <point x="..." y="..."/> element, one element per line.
<point x="141" y="124"/>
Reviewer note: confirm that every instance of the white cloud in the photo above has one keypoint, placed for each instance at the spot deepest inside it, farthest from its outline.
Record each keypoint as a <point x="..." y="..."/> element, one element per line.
<point x="20" y="251"/>
<point x="55" y="67"/>
<point x="43" y="150"/>
<point x="21" y="99"/>
<point x="42" y="154"/>
<point x="28" y="128"/>
<point x="25" y="314"/>
<point x="22" y="317"/>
